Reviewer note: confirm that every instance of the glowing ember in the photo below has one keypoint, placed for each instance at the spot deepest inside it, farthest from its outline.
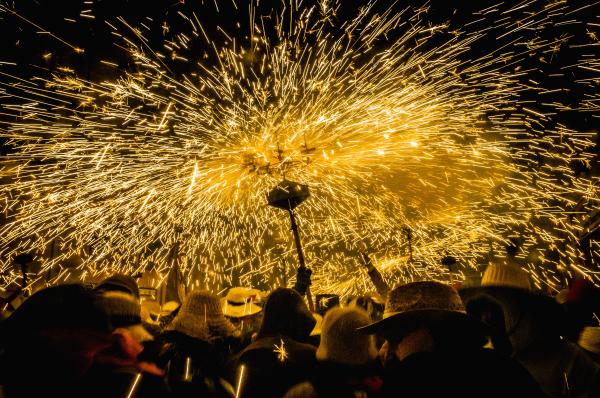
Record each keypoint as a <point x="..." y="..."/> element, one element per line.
<point x="281" y="352"/>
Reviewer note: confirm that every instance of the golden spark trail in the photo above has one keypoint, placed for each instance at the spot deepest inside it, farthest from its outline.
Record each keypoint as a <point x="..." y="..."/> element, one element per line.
<point x="392" y="121"/>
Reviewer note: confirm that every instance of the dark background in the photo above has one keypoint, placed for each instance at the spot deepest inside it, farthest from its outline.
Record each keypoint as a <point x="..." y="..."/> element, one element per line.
<point x="36" y="53"/>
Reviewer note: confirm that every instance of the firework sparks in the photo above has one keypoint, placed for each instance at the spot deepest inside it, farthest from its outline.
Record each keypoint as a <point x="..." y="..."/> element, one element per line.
<point x="281" y="352"/>
<point x="389" y="120"/>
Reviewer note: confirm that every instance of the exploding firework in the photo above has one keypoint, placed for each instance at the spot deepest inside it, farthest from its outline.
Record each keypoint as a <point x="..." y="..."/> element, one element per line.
<point x="395" y="123"/>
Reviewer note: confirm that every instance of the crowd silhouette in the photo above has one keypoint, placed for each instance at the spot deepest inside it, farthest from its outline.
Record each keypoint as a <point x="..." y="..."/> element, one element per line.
<point x="425" y="339"/>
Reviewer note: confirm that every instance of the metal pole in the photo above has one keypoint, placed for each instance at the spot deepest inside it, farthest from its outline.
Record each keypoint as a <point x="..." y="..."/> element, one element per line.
<point x="297" y="238"/>
<point x="298" y="244"/>
<point x="409" y="238"/>
<point x="284" y="264"/>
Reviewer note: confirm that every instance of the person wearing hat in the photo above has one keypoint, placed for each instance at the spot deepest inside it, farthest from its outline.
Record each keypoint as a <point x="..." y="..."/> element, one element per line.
<point x="60" y="343"/>
<point x="433" y="348"/>
<point x="48" y="343"/>
<point x="124" y="311"/>
<point x="534" y="325"/>
<point x="241" y="307"/>
<point x="120" y="283"/>
<point x="240" y="302"/>
<point x="279" y="358"/>
<point x="346" y="359"/>
<point x="197" y="346"/>
<point x="500" y="282"/>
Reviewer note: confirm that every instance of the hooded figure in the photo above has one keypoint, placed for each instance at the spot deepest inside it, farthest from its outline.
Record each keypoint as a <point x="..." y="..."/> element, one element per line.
<point x="279" y="358"/>
<point x="60" y="343"/>
<point x="346" y="359"/>
<point x="197" y="345"/>
<point x="49" y="343"/>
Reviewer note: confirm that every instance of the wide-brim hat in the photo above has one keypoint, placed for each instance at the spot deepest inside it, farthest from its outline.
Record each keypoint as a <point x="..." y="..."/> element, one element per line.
<point x="401" y="321"/>
<point x="169" y="307"/>
<point x="241" y="302"/>
<point x="423" y="303"/>
<point x="190" y="325"/>
<point x="499" y="281"/>
<point x="235" y="310"/>
<point x="506" y="275"/>
<point x="502" y="294"/>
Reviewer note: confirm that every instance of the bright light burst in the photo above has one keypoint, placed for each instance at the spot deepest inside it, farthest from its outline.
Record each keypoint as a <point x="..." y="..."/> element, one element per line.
<point x="392" y="121"/>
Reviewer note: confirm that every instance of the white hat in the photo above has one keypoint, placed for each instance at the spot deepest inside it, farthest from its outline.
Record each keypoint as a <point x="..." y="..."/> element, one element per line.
<point x="506" y="276"/>
<point x="341" y="342"/>
<point x="589" y="339"/>
<point x="239" y="302"/>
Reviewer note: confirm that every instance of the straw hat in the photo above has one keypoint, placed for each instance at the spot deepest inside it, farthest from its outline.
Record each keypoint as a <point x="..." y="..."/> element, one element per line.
<point x="240" y="302"/>
<point x="589" y="339"/>
<point x="341" y="342"/>
<point x="201" y="317"/>
<point x="501" y="275"/>
<point x="422" y="302"/>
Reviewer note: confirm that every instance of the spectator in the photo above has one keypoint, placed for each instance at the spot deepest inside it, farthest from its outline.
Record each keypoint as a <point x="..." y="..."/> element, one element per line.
<point x="279" y="358"/>
<point x="54" y="343"/>
<point x="197" y="345"/>
<point x="124" y="311"/>
<point x="241" y="307"/>
<point x="120" y="283"/>
<point x="347" y="365"/>
<point x="534" y="324"/>
<point x="434" y="348"/>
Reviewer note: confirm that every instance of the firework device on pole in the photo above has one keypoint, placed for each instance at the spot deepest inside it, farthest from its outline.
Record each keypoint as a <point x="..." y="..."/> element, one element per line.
<point x="287" y="195"/>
